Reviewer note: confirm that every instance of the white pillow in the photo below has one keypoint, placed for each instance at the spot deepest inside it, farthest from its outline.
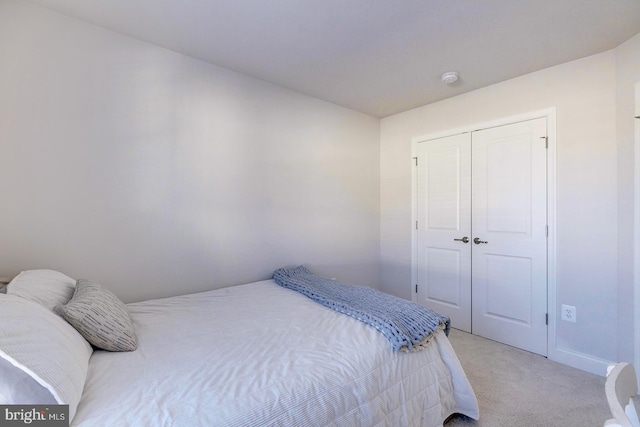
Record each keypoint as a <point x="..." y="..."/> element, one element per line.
<point x="45" y="347"/>
<point x="48" y="288"/>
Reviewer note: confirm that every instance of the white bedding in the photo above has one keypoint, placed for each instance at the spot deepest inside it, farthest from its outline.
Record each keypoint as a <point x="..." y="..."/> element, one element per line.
<point x="262" y="355"/>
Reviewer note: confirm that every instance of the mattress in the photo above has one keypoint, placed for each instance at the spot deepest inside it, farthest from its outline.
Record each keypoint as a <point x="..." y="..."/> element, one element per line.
<point x="261" y="355"/>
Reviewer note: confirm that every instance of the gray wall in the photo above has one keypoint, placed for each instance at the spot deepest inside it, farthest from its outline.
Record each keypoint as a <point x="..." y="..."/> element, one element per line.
<point x="159" y="174"/>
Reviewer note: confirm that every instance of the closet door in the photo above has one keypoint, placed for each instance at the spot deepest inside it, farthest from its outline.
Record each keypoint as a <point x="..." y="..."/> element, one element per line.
<point x="444" y="227"/>
<point x="509" y="234"/>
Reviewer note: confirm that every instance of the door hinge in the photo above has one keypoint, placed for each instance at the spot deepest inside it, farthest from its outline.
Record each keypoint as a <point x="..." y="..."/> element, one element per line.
<point x="416" y="288"/>
<point x="416" y="159"/>
<point x="546" y="319"/>
<point x="416" y="225"/>
<point x="546" y="231"/>
<point x="546" y="141"/>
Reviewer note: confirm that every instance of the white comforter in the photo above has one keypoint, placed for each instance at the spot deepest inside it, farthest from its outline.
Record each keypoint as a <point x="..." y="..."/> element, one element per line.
<point x="261" y="355"/>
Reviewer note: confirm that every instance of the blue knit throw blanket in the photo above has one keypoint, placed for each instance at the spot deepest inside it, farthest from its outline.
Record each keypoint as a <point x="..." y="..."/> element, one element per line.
<point x="407" y="325"/>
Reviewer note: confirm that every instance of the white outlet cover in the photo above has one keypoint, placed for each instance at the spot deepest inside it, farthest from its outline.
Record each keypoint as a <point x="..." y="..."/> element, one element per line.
<point x="568" y="313"/>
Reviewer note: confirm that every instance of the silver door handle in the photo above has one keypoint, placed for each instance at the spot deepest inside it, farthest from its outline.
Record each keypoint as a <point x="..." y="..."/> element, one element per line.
<point x="465" y="239"/>
<point x="477" y="241"/>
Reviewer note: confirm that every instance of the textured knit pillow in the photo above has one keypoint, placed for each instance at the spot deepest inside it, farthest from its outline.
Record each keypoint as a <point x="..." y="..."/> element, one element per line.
<point x="100" y="317"/>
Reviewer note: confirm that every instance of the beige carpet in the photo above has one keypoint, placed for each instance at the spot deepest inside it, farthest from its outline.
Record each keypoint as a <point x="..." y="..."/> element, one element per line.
<point x="517" y="388"/>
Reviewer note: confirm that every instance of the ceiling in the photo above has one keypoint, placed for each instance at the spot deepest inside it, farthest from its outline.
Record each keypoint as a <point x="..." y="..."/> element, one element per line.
<point x="379" y="57"/>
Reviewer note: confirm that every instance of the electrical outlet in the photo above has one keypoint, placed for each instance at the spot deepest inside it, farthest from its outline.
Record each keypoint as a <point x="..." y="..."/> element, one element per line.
<point x="568" y="313"/>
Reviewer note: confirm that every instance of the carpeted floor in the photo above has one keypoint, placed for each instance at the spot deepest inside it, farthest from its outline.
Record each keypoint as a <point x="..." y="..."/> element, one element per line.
<point x="517" y="388"/>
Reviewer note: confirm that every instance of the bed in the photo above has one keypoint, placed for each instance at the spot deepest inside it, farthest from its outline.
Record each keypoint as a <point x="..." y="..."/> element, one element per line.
<point x="255" y="354"/>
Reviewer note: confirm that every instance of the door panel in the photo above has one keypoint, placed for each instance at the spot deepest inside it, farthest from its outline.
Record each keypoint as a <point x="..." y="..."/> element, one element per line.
<point x="508" y="184"/>
<point x="509" y="214"/>
<point x="444" y="214"/>
<point x="443" y="269"/>
<point x="510" y="302"/>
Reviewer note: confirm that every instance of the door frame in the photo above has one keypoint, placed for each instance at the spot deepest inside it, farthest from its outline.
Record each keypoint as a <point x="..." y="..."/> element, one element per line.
<point x="636" y="232"/>
<point x="553" y="352"/>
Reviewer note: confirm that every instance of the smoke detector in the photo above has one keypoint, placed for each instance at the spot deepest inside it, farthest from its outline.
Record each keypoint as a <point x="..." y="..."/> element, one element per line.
<point x="450" y="77"/>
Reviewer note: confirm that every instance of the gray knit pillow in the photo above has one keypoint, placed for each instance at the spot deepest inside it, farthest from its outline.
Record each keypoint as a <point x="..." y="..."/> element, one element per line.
<point x="100" y="317"/>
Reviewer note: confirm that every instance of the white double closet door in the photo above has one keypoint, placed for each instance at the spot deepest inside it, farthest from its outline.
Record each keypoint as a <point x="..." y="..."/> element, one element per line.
<point x="481" y="232"/>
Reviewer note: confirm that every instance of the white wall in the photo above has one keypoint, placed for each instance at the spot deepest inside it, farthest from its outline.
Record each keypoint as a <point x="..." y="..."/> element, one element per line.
<point x="584" y="94"/>
<point x="628" y="74"/>
<point x="159" y="174"/>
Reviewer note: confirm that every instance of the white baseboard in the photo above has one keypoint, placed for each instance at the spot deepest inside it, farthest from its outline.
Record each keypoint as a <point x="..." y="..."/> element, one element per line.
<point x="578" y="360"/>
